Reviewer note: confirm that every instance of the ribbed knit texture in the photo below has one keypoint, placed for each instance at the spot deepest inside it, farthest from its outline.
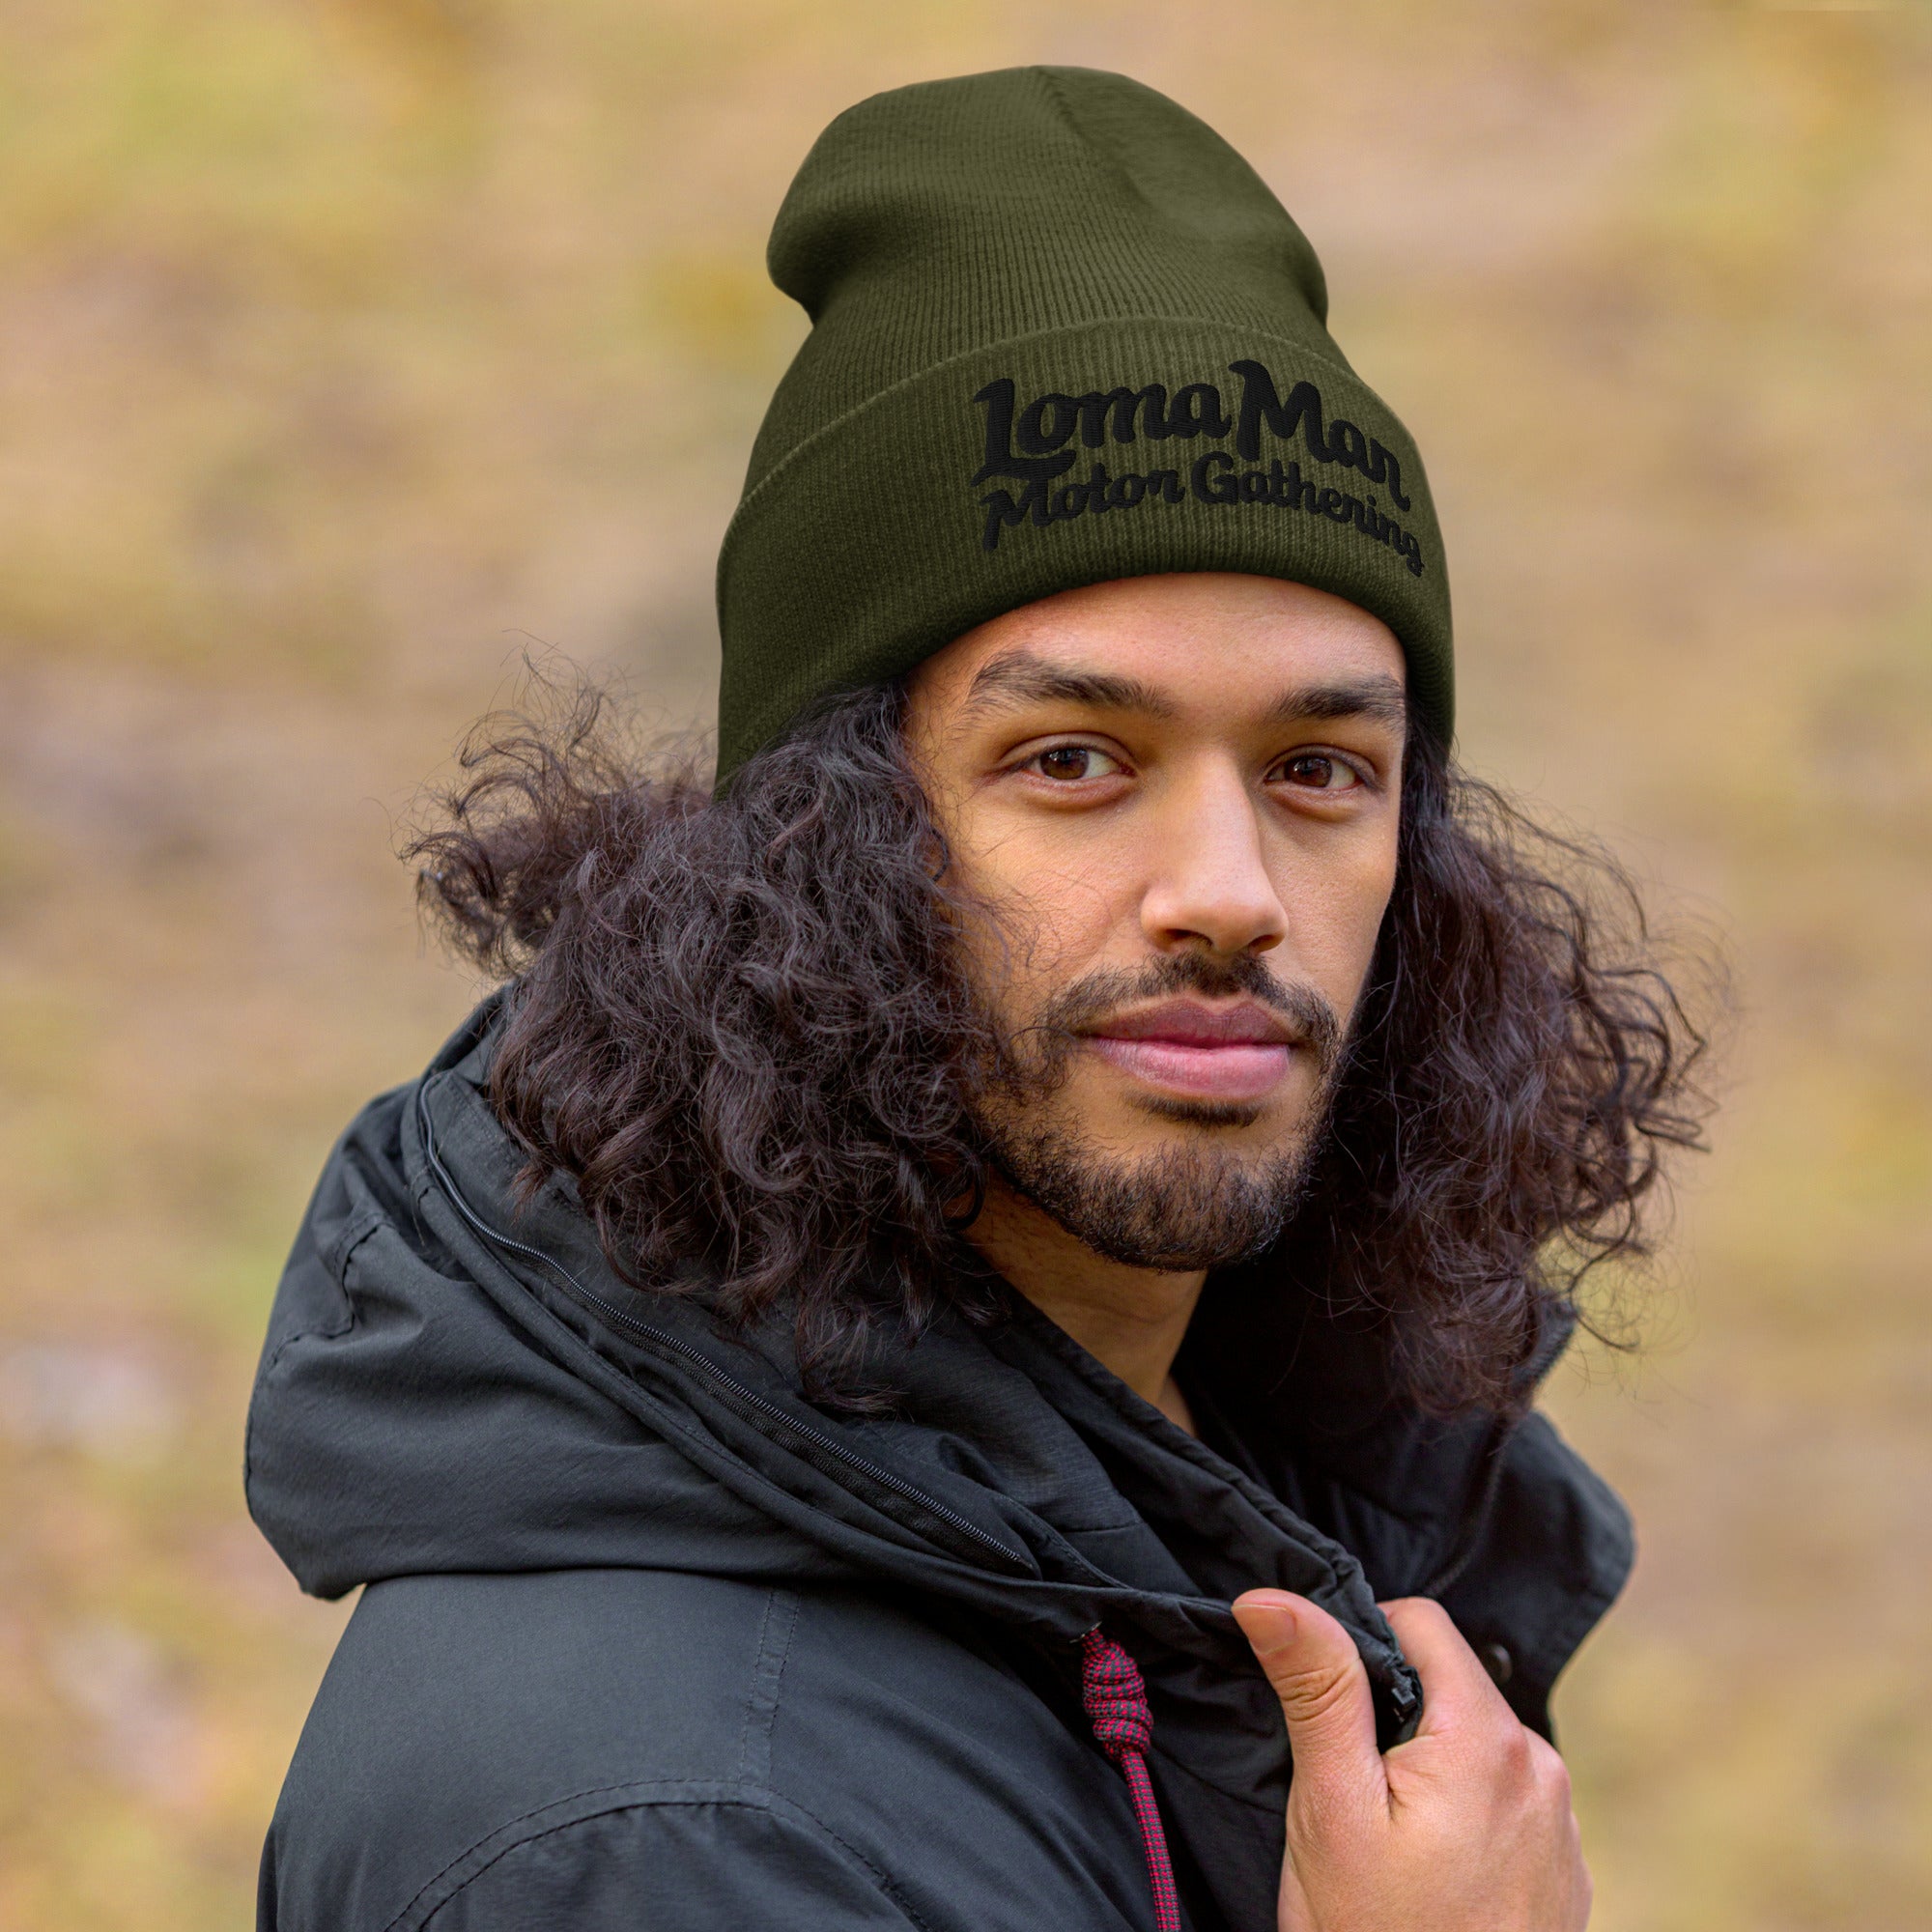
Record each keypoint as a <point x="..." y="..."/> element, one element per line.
<point x="1043" y="239"/>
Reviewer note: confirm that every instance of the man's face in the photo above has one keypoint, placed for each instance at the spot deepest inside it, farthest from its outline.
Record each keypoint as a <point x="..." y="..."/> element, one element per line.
<point x="1178" y="798"/>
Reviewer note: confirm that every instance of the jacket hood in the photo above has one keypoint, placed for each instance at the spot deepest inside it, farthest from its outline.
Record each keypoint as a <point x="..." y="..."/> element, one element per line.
<point x="452" y="1384"/>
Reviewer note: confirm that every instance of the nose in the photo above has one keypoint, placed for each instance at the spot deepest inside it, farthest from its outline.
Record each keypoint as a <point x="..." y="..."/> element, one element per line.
<point x="1209" y="884"/>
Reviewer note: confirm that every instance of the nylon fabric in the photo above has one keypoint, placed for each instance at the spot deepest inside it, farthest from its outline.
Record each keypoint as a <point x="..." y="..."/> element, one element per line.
<point x="606" y="1546"/>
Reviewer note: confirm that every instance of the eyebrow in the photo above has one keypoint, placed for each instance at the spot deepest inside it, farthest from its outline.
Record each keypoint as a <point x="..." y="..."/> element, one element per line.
<point x="1017" y="677"/>
<point x="1382" y="698"/>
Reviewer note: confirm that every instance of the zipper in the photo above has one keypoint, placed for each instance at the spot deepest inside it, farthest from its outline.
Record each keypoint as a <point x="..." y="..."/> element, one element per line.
<point x="663" y="1338"/>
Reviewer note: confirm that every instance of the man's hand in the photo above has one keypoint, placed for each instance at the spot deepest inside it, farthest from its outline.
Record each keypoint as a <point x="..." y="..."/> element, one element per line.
<point x="1466" y="1827"/>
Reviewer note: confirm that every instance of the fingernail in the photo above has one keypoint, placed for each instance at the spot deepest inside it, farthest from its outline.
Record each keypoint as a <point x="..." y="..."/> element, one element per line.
<point x="1273" y="1612"/>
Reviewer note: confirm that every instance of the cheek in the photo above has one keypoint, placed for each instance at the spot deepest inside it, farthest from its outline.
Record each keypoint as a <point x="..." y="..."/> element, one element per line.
<point x="1049" y="914"/>
<point x="1335" y="919"/>
<point x="1371" y="911"/>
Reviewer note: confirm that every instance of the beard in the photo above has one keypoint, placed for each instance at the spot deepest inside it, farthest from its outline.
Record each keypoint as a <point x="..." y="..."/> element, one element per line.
<point x="1200" y="1204"/>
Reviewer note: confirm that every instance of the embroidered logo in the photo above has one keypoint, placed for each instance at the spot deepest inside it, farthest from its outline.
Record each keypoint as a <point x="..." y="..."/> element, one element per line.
<point x="1034" y="447"/>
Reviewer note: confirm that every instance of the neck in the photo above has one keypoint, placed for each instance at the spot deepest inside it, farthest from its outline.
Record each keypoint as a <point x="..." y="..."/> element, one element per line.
<point x="1129" y="1320"/>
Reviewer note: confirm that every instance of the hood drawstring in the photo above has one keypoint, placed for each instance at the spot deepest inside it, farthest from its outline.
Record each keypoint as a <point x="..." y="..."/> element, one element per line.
<point x="1115" y="1695"/>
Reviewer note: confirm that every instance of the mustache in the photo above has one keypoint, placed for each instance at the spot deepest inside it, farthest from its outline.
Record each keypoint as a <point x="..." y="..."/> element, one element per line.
<point x="1074" y="1009"/>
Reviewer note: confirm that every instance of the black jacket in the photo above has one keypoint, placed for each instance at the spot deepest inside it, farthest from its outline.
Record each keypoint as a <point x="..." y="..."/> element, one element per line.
<point x="648" y="1640"/>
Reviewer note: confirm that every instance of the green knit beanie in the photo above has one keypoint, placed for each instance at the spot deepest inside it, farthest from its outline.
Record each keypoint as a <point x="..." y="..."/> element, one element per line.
<point x="1062" y="333"/>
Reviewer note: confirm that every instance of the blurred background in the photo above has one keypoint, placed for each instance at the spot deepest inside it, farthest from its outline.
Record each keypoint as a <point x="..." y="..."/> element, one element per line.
<point x="349" y="349"/>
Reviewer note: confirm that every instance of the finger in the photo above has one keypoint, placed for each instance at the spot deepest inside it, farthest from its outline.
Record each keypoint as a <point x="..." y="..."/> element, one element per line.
<point x="1312" y="1662"/>
<point x="1456" y="1688"/>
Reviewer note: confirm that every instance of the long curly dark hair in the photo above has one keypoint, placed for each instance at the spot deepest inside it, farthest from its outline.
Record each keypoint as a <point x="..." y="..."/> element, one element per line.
<point x="739" y="1025"/>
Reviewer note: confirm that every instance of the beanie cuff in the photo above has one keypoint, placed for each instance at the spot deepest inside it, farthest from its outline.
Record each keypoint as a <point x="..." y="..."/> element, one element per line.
<point x="1123" y="447"/>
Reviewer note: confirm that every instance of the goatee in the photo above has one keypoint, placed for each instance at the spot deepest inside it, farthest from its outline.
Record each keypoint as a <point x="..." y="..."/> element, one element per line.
<point x="1196" y="1206"/>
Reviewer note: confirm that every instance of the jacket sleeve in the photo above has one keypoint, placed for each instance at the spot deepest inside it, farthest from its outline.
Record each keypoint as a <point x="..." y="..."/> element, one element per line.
<point x="668" y="1865"/>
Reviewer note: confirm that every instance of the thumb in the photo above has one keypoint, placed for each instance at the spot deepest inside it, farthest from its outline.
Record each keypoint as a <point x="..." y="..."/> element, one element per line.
<point x="1312" y="1662"/>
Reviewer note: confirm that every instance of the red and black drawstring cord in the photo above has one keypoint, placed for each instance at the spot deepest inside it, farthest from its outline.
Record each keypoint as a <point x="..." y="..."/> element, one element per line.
<point x="1115" y="1695"/>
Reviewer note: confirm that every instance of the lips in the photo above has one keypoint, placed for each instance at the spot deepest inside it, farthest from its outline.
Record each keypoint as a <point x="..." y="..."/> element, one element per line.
<point x="1238" y="1053"/>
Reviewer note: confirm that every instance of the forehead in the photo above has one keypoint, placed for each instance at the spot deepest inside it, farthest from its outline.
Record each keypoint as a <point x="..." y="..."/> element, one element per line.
<point x="1195" y="640"/>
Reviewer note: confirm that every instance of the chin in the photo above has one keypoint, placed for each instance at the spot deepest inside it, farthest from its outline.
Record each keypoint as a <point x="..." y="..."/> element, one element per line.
<point x="1233" y="1134"/>
<point x="1146" y="1117"/>
<point x="1197" y="1113"/>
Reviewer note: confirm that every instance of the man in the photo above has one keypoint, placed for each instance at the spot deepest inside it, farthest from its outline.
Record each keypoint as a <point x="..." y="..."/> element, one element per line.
<point x="880" y="1380"/>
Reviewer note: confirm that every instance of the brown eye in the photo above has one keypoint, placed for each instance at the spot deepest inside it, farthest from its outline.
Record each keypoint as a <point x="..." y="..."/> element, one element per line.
<point x="1316" y="771"/>
<point x="1070" y="763"/>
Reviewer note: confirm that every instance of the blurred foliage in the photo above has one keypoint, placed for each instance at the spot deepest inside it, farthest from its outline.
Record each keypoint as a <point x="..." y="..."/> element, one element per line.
<point x="353" y="345"/>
